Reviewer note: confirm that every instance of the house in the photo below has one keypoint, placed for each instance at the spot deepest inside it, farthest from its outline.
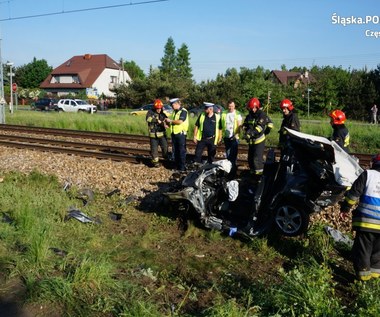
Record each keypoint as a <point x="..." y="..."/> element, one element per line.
<point x="95" y="74"/>
<point x="292" y="78"/>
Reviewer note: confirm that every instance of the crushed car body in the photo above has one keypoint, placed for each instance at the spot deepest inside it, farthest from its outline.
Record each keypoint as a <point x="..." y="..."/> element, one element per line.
<point x="315" y="176"/>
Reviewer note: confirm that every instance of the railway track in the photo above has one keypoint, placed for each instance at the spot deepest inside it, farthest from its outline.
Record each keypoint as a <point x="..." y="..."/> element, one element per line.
<point x="132" y="148"/>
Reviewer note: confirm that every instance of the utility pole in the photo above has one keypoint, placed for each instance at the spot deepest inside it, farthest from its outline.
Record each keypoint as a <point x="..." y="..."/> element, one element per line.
<point x="10" y="64"/>
<point x="1" y="75"/>
<point x="122" y="69"/>
<point x="308" y="94"/>
<point x="2" y="99"/>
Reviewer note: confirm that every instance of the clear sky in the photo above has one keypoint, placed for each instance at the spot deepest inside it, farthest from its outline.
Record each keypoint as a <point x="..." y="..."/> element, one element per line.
<point x="220" y="34"/>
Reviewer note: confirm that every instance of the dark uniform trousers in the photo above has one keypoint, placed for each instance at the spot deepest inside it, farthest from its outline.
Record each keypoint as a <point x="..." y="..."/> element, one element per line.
<point x="255" y="156"/>
<point x="231" y="145"/>
<point x="365" y="244"/>
<point x="163" y="143"/>
<point x="211" y="149"/>
<point x="179" y="149"/>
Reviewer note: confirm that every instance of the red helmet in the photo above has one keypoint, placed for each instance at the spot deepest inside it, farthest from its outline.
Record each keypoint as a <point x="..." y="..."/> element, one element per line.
<point x="253" y="103"/>
<point x="376" y="159"/>
<point x="338" y="116"/>
<point x="286" y="103"/>
<point x="158" y="104"/>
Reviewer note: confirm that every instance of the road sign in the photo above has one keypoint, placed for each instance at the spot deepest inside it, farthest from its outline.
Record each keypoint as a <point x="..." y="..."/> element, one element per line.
<point x="14" y="87"/>
<point x="2" y="101"/>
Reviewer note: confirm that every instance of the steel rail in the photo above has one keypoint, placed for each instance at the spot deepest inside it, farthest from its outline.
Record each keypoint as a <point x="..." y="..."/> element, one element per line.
<point x="103" y="136"/>
<point x="116" y="153"/>
<point x="98" y="147"/>
<point x="93" y="154"/>
<point x="364" y="159"/>
<point x="106" y="136"/>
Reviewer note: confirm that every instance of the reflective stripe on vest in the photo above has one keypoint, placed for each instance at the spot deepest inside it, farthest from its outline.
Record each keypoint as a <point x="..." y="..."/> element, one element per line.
<point x="346" y="140"/>
<point x="261" y="137"/>
<point x="224" y="121"/>
<point x="179" y="128"/>
<point x="156" y="134"/>
<point x="367" y="214"/>
<point x="200" y="128"/>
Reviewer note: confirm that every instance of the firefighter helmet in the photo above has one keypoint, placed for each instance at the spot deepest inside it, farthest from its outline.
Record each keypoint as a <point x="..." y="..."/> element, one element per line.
<point x="338" y="116"/>
<point x="158" y="104"/>
<point x="286" y="103"/>
<point x="253" y="103"/>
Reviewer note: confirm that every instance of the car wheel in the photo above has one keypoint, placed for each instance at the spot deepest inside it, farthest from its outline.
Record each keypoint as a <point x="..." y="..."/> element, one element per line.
<point x="46" y="108"/>
<point x="192" y="114"/>
<point x="60" y="110"/>
<point x="291" y="220"/>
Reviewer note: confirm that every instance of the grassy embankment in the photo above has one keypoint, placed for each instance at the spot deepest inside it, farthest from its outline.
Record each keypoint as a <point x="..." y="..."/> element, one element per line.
<point x="144" y="265"/>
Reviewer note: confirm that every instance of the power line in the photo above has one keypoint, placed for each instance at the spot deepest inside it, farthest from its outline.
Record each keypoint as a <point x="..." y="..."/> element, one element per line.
<point x="82" y="10"/>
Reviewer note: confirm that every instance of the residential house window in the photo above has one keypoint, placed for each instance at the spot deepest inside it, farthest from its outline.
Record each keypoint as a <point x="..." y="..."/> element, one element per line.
<point x="55" y="80"/>
<point x="113" y="79"/>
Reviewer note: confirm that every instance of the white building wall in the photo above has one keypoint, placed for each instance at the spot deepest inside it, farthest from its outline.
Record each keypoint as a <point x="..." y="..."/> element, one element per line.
<point x="104" y="81"/>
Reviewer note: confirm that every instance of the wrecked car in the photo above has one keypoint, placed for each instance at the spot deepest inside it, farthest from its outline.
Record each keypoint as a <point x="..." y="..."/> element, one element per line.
<point x="315" y="176"/>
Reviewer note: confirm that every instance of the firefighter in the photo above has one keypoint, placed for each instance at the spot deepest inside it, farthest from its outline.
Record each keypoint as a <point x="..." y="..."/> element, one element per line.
<point x="365" y="221"/>
<point x="179" y="124"/>
<point x="290" y="120"/>
<point x="207" y="133"/>
<point x="256" y="125"/>
<point x="340" y="133"/>
<point x="157" y="131"/>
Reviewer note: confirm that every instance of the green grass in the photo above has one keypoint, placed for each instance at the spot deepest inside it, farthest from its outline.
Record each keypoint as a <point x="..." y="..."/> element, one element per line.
<point x="145" y="266"/>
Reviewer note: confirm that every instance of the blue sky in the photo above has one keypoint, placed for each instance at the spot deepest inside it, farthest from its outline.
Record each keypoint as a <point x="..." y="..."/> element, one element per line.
<point x="220" y="34"/>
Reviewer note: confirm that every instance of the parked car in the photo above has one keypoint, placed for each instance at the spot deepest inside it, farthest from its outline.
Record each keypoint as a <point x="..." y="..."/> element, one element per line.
<point x="75" y="105"/>
<point x="196" y="111"/>
<point x="45" y="104"/>
<point x="142" y="111"/>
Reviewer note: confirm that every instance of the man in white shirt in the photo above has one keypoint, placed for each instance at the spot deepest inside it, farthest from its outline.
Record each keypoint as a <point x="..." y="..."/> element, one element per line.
<point x="231" y="123"/>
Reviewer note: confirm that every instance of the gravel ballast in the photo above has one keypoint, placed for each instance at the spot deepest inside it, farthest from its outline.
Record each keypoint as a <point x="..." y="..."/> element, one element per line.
<point x="106" y="175"/>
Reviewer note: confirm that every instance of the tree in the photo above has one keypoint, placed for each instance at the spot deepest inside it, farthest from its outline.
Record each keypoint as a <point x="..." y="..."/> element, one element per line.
<point x="33" y="74"/>
<point x="254" y="83"/>
<point x="183" y="63"/>
<point x="134" y="71"/>
<point x="168" y="62"/>
<point x="374" y="77"/>
<point x="329" y="88"/>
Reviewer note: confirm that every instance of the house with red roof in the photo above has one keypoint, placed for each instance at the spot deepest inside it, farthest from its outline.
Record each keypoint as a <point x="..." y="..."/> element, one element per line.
<point x="292" y="78"/>
<point x="94" y="74"/>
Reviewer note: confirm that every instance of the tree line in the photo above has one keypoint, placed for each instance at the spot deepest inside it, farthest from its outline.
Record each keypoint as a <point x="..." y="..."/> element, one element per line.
<point x="351" y="90"/>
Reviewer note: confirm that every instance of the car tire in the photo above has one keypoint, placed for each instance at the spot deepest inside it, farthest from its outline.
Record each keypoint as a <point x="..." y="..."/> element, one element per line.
<point x="60" y="110"/>
<point x="46" y="108"/>
<point x="291" y="220"/>
<point x="192" y="114"/>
